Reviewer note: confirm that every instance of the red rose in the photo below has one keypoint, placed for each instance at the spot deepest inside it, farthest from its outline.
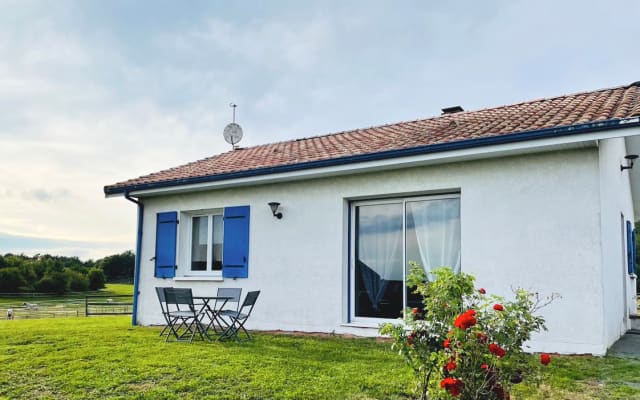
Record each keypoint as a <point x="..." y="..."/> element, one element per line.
<point x="497" y="350"/>
<point x="545" y="359"/>
<point x="498" y="307"/>
<point x="482" y="291"/>
<point x="451" y="365"/>
<point x="482" y="338"/>
<point x="446" y="343"/>
<point x="411" y="338"/>
<point x="466" y="320"/>
<point x="484" y="366"/>
<point x="452" y="385"/>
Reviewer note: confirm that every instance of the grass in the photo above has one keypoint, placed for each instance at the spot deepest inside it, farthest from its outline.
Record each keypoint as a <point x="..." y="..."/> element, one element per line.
<point x="104" y="357"/>
<point x="586" y="377"/>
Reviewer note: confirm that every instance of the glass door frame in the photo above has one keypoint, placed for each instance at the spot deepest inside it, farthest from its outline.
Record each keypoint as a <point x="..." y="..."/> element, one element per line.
<point x="352" y="244"/>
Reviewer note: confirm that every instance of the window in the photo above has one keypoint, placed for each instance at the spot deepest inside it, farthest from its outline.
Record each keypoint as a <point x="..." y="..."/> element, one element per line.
<point x="211" y="243"/>
<point x="386" y="235"/>
<point x="206" y="243"/>
<point x="201" y="242"/>
<point x="631" y="248"/>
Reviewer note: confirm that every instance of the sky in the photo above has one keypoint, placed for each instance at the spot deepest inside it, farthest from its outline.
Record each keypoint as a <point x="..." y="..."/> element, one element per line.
<point x="97" y="92"/>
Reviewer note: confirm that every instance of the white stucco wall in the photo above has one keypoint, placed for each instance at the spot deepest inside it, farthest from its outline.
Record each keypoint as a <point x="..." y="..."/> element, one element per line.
<point x="531" y="221"/>
<point x="616" y="202"/>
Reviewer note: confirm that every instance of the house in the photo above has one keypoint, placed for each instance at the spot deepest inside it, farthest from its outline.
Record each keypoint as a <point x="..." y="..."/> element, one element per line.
<point x="535" y="195"/>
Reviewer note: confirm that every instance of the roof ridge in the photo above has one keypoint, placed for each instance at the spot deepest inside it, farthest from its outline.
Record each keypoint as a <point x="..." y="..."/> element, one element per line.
<point x="436" y="117"/>
<point x="543" y="99"/>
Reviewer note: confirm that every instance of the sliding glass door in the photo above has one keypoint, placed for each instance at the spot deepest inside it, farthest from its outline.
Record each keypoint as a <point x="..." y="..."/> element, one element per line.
<point x="386" y="235"/>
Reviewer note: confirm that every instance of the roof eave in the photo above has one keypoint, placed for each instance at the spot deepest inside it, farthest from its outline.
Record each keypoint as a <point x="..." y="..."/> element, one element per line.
<point x="590" y="127"/>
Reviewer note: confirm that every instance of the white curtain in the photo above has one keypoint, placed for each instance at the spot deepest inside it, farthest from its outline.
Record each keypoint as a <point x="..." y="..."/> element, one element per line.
<point x="380" y="248"/>
<point x="437" y="229"/>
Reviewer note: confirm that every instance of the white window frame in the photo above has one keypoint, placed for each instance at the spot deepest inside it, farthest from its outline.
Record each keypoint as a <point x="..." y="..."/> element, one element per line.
<point x="186" y="239"/>
<point x="352" y="240"/>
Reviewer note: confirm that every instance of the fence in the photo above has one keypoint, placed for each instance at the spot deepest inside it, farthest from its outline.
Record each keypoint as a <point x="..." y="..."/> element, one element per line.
<point x="45" y="308"/>
<point x="107" y="305"/>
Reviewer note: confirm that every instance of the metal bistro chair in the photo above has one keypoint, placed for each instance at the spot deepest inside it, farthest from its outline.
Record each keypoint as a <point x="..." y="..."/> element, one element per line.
<point x="239" y="318"/>
<point x="187" y="316"/>
<point x="163" y="307"/>
<point x="234" y="295"/>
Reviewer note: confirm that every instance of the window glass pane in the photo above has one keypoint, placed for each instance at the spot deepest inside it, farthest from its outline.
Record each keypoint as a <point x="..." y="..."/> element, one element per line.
<point x="433" y="236"/>
<point x="200" y="230"/>
<point x="216" y="251"/>
<point x="379" y="261"/>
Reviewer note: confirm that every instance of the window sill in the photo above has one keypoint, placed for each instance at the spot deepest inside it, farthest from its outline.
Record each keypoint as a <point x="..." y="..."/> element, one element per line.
<point x="198" y="278"/>
<point x="372" y="324"/>
<point x="360" y="324"/>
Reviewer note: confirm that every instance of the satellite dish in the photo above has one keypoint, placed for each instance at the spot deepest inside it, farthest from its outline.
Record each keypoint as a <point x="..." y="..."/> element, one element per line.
<point x="232" y="133"/>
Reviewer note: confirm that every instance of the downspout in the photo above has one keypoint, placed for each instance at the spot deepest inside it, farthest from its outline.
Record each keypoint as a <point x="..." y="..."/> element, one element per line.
<point x="136" y="273"/>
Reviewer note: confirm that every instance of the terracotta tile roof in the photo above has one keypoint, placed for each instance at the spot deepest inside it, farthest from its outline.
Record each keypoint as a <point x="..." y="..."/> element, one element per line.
<point x="562" y="111"/>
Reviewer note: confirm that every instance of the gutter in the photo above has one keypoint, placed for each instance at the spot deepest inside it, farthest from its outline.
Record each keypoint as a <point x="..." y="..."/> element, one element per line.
<point x="136" y="273"/>
<point x="545" y="133"/>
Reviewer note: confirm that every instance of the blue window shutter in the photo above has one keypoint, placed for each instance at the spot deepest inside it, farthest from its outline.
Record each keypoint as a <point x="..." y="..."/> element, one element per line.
<point x="166" y="229"/>
<point x="634" y="257"/>
<point x="630" y="260"/>
<point x="235" y="252"/>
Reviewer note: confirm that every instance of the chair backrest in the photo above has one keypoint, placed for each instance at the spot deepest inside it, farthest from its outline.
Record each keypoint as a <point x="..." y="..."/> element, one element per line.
<point x="250" y="301"/>
<point x="233" y="293"/>
<point x="179" y="296"/>
<point x="162" y="299"/>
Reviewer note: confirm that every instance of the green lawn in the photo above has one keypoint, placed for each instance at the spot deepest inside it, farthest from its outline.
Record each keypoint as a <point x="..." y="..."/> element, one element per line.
<point x="104" y="357"/>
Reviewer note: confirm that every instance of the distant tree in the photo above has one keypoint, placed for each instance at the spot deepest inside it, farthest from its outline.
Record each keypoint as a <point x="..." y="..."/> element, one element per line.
<point x="118" y="266"/>
<point x="96" y="278"/>
<point x="52" y="282"/>
<point x="12" y="260"/>
<point x="30" y="276"/>
<point x="76" y="281"/>
<point x="57" y="274"/>
<point x="11" y="280"/>
<point x="52" y="264"/>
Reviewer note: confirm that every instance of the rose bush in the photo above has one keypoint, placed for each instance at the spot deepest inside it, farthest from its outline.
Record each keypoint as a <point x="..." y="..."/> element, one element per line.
<point x="464" y="343"/>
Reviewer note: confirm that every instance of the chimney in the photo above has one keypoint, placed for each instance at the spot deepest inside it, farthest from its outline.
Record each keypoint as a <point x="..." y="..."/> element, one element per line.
<point x="452" y="110"/>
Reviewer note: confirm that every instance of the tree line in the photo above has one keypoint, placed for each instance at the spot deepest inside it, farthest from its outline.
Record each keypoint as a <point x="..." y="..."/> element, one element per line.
<point x="57" y="274"/>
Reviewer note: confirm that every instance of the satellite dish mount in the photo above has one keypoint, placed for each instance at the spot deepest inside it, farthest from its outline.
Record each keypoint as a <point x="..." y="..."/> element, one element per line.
<point x="233" y="132"/>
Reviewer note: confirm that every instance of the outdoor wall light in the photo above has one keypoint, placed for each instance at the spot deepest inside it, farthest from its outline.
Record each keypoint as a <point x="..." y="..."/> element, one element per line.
<point x="274" y="209"/>
<point x="630" y="159"/>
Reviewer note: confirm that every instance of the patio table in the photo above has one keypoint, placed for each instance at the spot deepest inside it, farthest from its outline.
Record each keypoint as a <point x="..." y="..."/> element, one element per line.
<point x="211" y="307"/>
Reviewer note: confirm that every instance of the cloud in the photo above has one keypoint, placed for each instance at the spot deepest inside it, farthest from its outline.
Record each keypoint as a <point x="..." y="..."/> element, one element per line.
<point x="37" y="245"/>
<point x="275" y="45"/>
<point x="45" y="196"/>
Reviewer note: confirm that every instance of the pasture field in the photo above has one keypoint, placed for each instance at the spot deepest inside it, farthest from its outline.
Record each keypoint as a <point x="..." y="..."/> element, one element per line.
<point x="105" y="357"/>
<point x="28" y="306"/>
